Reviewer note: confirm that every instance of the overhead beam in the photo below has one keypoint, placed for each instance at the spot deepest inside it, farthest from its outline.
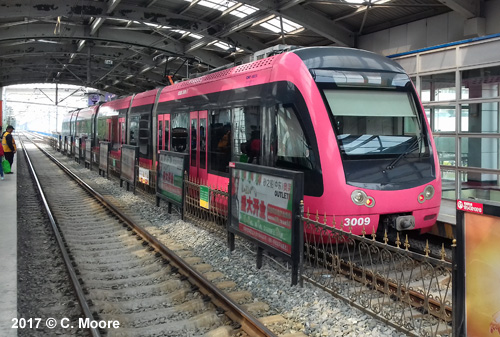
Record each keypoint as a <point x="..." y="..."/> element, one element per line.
<point x="312" y="20"/>
<point x="467" y="8"/>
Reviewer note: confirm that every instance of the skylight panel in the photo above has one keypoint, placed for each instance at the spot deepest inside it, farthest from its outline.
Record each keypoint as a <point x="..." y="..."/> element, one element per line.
<point x="243" y="11"/>
<point x="196" y="36"/>
<point x="274" y="25"/>
<point x="220" y="5"/>
<point x="223" y="5"/>
<point x="193" y="35"/>
<point x="223" y="45"/>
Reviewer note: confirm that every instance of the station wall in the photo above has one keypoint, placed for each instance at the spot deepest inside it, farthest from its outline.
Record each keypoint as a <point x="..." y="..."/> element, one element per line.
<point x="441" y="29"/>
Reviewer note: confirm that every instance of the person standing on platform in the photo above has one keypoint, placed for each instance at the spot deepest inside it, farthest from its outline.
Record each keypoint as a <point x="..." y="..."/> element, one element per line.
<point x="1" y="158"/>
<point x="9" y="145"/>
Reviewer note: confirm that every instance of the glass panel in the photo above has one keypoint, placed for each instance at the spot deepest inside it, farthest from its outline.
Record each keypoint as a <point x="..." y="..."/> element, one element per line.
<point x="448" y="178"/>
<point x="247" y="132"/>
<point x="380" y="103"/>
<point x="438" y="87"/>
<point x="219" y="146"/>
<point x="203" y="143"/>
<point x="480" y="153"/>
<point x="480" y="83"/>
<point x="444" y="119"/>
<point x="134" y="130"/>
<point x="160" y="135"/>
<point x="390" y="125"/>
<point x="446" y="150"/>
<point x="486" y="188"/>
<point x="293" y="147"/>
<point x="480" y="117"/>
<point x="194" y="141"/>
<point x="144" y="134"/>
<point x="180" y="123"/>
<point x="167" y="133"/>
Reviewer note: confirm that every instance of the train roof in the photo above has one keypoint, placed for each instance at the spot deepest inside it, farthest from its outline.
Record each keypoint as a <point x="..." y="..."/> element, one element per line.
<point x="345" y="58"/>
<point x="87" y="112"/>
<point x="118" y="104"/>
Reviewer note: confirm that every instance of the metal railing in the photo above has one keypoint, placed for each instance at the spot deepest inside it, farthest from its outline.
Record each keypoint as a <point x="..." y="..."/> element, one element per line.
<point x="410" y="291"/>
<point x="407" y="290"/>
<point x="213" y="218"/>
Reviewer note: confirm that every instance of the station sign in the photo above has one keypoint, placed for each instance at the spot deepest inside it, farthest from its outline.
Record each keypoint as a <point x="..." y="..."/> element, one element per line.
<point x="469" y="206"/>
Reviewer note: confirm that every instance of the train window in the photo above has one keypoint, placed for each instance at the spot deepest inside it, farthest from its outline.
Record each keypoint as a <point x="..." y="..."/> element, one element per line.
<point x="144" y="134"/>
<point x="194" y="141"/>
<point x="219" y="149"/>
<point x="160" y="136"/>
<point x="375" y="122"/>
<point x="179" y="124"/>
<point x="134" y="130"/>
<point x="293" y="148"/>
<point x="167" y="132"/>
<point x="203" y="145"/>
<point x="247" y="134"/>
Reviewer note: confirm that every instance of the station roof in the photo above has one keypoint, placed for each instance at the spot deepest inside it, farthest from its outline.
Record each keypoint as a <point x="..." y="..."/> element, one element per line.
<point x="128" y="46"/>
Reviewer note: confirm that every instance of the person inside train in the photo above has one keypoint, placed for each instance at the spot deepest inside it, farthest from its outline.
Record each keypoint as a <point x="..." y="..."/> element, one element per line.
<point x="253" y="148"/>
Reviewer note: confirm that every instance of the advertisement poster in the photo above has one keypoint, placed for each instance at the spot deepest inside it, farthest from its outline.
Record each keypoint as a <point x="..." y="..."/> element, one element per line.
<point x="170" y="177"/>
<point x="144" y="175"/>
<point x="264" y="207"/>
<point x="128" y="164"/>
<point x="482" y="279"/>
<point x="103" y="156"/>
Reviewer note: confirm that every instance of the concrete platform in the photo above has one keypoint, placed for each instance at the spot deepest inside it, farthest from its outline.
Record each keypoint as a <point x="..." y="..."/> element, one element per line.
<point x="8" y="252"/>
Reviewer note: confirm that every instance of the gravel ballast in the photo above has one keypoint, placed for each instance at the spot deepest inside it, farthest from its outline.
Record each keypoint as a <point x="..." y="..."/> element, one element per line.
<point x="320" y="313"/>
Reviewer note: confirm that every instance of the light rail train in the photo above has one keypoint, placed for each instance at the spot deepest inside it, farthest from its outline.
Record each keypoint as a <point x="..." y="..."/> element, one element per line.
<point x="350" y="120"/>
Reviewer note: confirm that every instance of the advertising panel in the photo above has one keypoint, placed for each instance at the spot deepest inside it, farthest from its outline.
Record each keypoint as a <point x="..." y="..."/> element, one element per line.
<point x="128" y="158"/>
<point x="482" y="263"/>
<point x="476" y="295"/>
<point x="170" y="179"/>
<point x="103" y="157"/>
<point x="143" y="176"/>
<point x="88" y="150"/>
<point x="264" y="207"/>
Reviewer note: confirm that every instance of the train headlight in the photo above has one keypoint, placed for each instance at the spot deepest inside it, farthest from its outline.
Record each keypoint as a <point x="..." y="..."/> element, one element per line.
<point x="358" y="197"/>
<point x="429" y="192"/>
<point x="361" y="199"/>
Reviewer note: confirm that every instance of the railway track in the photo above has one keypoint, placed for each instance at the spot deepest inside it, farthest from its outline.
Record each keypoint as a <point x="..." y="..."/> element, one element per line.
<point x="130" y="278"/>
<point x="418" y="297"/>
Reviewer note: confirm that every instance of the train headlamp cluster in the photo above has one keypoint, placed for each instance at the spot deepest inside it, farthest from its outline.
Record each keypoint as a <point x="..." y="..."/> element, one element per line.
<point x="427" y="194"/>
<point x="360" y="198"/>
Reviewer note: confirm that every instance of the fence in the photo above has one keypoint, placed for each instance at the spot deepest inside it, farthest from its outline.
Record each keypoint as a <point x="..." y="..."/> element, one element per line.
<point x="213" y="218"/>
<point x="407" y="290"/>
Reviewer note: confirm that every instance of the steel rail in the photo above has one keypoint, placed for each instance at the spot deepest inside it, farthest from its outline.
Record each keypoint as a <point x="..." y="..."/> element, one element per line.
<point x="67" y="261"/>
<point x="236" y="313"/>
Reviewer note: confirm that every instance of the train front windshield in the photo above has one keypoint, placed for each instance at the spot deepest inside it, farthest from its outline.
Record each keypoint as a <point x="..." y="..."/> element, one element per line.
<point x="380" y="129"/>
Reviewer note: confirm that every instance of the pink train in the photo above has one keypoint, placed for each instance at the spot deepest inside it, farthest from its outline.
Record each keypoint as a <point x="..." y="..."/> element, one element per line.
<point x="350" y="120"/>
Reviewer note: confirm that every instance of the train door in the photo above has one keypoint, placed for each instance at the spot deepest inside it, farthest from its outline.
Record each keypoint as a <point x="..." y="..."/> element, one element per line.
<point x="121" y="130"/>
<point x="198" y="145"/>
<point x="163" y="133"/>
<point x="109" y="135"/>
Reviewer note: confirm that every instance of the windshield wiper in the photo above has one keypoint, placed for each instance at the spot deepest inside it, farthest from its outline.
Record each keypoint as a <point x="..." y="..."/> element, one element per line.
<point x="413" y="146"/>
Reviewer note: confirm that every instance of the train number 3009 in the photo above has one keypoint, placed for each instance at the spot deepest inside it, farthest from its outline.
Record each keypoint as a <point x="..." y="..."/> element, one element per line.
<point x="357" y="221"/>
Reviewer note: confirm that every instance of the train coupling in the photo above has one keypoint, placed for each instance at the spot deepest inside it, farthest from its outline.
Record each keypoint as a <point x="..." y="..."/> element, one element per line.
<point x="405" y="222"/>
